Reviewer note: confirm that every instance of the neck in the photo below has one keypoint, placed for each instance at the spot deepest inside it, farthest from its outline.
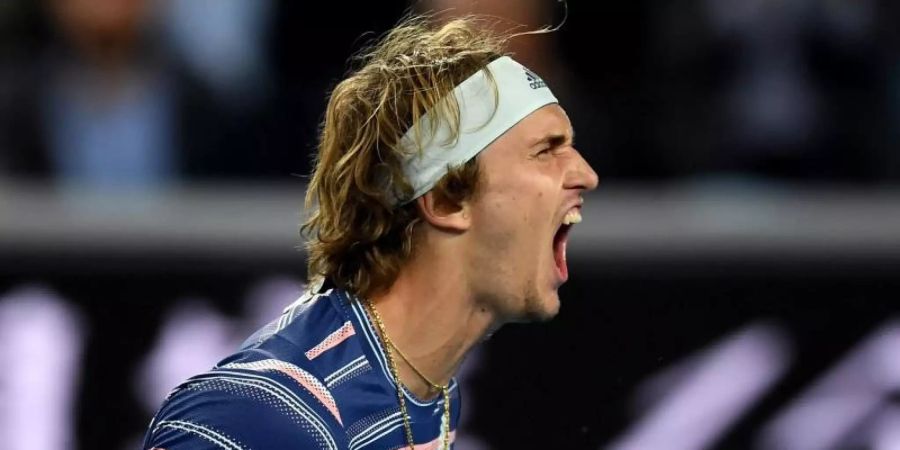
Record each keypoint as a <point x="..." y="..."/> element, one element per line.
<point x="431" y="317"/>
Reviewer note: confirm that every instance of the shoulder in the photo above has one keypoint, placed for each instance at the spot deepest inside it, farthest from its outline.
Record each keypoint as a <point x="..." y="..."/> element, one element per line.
<point x="305" y="321"/>
<point x="315" y="333"/>
<point x="269" y="393"/>
<point x="259" y="405"/>
<point x="299" y="377"/>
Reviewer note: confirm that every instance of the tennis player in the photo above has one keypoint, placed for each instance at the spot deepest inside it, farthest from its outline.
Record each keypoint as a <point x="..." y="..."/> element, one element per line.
<point x="445" y="187"/>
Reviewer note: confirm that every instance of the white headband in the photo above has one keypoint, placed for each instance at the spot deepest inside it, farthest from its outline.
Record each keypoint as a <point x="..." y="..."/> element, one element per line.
<point x="519" y="93"/>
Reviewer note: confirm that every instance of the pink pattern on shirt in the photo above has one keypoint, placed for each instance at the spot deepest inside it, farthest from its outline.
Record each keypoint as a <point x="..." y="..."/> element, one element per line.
<point x="332" y="340"/>
<point x="304" y="378"/>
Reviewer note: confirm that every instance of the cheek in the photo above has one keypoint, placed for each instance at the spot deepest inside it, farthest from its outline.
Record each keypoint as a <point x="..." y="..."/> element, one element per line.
<point x="519" y="211"/>
<point x="513" y="214"/>
<point x="502" y="229"/>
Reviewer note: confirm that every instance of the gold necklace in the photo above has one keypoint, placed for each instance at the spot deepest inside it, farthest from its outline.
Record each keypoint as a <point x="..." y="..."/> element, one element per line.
<point x="393" y="367"/>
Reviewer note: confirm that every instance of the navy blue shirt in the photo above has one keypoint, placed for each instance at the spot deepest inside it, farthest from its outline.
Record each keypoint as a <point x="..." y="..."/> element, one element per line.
<point x="315" y="378"/>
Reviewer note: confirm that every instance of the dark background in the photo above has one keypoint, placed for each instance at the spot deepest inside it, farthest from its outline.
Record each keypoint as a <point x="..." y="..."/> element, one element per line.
<point x="749" y="164"/>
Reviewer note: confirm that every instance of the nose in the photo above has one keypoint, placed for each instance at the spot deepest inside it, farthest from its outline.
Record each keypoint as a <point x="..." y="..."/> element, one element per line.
<point x="580" y="175"/>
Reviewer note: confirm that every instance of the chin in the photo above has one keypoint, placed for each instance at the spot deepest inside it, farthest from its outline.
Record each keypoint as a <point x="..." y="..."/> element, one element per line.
<point x="543" y="309"/>
<point x="552" y="307"/>
<point x="531" y="307"/>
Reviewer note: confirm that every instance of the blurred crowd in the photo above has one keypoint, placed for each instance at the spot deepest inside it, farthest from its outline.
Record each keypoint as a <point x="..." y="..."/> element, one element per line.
<point x="119" y="94"/>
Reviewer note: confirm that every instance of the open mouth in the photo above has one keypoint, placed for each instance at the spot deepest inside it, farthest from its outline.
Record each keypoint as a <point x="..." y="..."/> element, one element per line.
<point x="560" y="240"/>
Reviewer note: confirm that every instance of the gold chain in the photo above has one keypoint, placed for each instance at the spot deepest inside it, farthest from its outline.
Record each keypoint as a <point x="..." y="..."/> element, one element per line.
<point x="393" y="367"/>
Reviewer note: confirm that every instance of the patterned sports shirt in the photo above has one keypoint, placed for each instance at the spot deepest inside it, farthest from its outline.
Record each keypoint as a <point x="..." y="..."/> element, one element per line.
<point x="315" y="378"/>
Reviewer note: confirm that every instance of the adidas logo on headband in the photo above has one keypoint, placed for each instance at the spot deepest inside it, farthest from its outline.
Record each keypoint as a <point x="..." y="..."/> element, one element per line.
<point x="533" y="80"/>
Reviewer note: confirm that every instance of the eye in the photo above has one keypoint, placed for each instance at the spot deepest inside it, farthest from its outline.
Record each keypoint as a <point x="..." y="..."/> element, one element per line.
<point x="544" y="152"/>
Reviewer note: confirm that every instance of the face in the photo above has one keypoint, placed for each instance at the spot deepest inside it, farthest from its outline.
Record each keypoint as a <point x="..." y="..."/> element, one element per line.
<point x="533" y="179"/>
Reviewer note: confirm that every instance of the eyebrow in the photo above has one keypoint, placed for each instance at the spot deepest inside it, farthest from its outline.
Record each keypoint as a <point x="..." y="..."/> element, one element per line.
<point x="554" y="139"/>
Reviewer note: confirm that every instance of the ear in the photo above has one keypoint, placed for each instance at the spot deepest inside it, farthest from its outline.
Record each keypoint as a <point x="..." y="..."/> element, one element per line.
<point x="444" y="213"/>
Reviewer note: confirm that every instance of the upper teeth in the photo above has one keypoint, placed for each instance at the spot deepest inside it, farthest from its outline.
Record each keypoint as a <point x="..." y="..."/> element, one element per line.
<point x="573" y="216"/>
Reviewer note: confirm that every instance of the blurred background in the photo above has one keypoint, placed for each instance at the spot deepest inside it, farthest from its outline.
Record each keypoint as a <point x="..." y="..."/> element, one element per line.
<point x="734" y="284"/>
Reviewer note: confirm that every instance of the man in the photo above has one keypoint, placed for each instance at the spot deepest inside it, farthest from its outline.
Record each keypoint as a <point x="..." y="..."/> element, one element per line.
<point x="445" y="186"/>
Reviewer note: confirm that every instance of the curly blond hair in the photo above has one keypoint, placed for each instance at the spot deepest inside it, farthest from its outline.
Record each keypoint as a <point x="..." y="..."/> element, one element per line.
<point x="357" y="236"/>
